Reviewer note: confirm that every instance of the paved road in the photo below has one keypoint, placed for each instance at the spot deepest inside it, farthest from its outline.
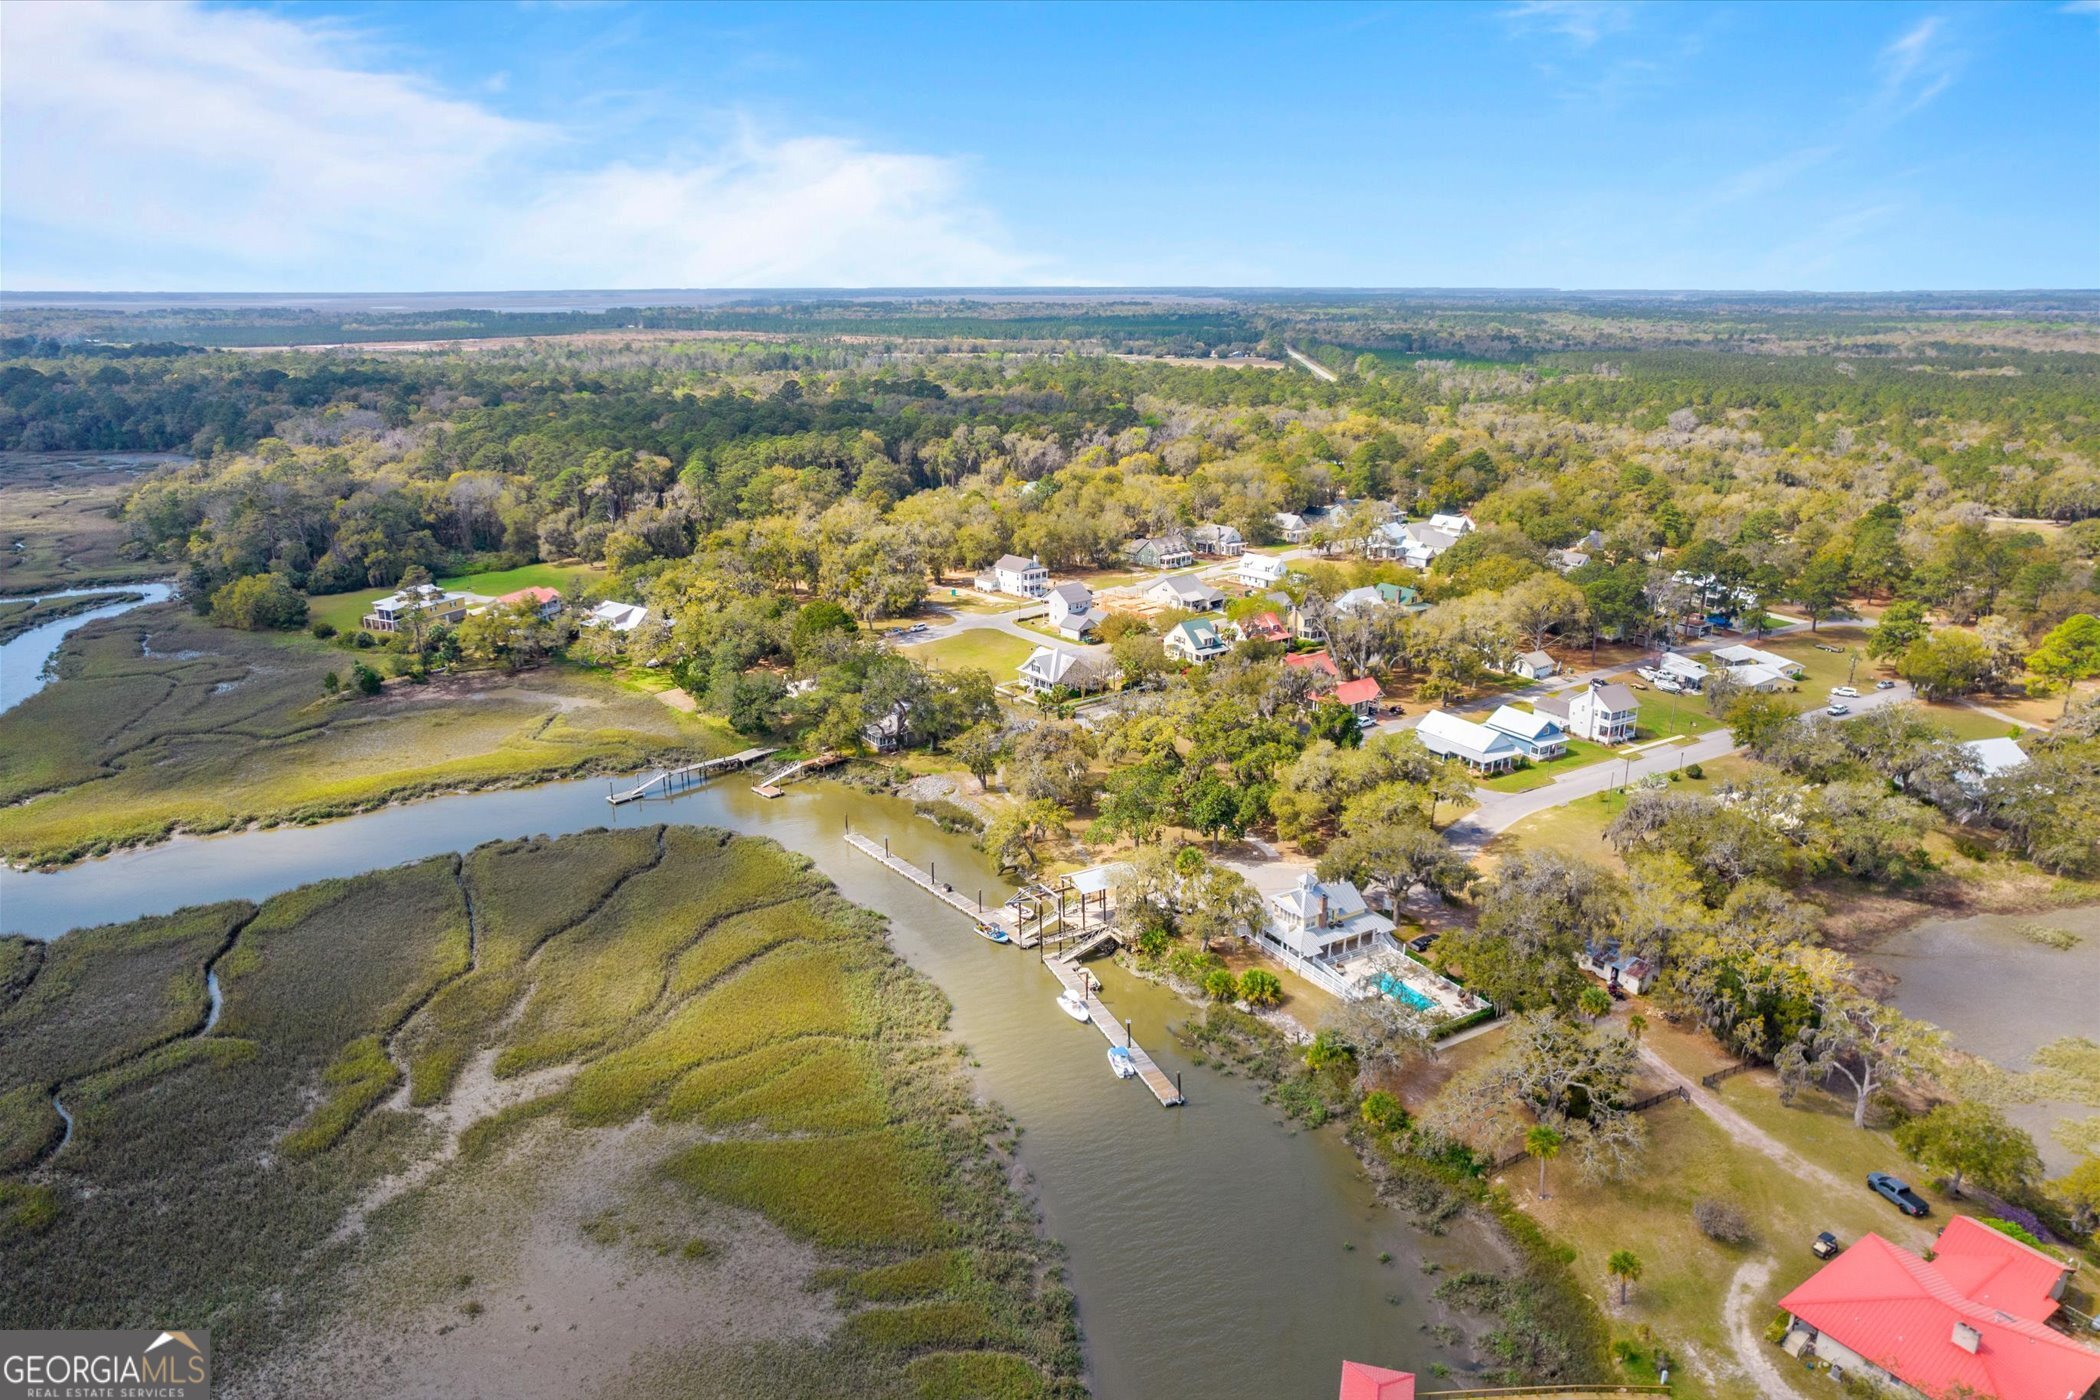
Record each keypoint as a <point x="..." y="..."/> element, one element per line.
<point x="1319" y="371"/>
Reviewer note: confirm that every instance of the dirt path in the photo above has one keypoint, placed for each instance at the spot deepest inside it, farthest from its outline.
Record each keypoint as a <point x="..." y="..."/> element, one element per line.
<point x="1742" y="1131"/>
<point x="1750" y="1349"/>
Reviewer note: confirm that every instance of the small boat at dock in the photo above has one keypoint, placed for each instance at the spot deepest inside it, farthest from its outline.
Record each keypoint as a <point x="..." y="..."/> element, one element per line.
<point x="993" y="933"/>
<point x="1120" y="1063"/>
<point x="1073" y="1005"/>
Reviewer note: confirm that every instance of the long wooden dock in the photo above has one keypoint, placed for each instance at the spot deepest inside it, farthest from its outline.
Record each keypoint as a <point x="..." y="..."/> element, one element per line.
<point x="1064" y="967"/>
<point x="997" y="915"/>
<point x="769" y="786"/>
<point x="674" y="779"/>
<point x="1076" y="979"/>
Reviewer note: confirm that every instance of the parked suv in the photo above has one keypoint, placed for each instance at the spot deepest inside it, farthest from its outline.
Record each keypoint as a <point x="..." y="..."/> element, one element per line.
<point x="1849" y="692"/>
<point x="1898" y="1193"/>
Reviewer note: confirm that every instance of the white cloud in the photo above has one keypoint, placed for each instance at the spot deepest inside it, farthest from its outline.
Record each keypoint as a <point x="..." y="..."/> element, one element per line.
<point x="177" y="146"/>
<point x="1581" y="22"/>
<point x="1916" y="66"/>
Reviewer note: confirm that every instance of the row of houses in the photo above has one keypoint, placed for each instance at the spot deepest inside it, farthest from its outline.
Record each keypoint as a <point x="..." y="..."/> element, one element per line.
<point x="440" y="608"/>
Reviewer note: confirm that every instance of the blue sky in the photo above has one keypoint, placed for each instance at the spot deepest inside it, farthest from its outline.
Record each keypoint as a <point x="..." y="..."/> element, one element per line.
<point x="447" y="147"/>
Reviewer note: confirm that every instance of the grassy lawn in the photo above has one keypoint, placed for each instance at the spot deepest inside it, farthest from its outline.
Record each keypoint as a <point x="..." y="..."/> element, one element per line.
<point x="1664" y="716"/>
<point x="1966" y="723"/>
<point x="342" y="610"/>
<point x="986" y="648"/>
<point x="1581" y="754"/>
<point x="1683" y="1290"/>
<point x="1823" y="669"/>
<point x="1577" y="828"/>
<point x="218" y="728"/>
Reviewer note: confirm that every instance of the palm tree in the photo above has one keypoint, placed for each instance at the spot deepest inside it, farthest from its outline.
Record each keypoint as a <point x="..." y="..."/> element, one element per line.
<point x="1625" y="1266"/>
<point x="1543" y="1142"/>
<point x="1635" y="1024"/>
<point x="1594" y="1002"/>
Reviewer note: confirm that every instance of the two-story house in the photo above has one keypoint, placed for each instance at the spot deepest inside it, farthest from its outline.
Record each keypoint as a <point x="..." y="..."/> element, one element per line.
<point x="1261" y="571"/>
<point x="1321" y="919"/>
<point x="1168" y="551"/>
<point x="436" y="606"/>
<point x="1072" y="610"/>
<point x="1017" y="577"/>
<point x="1196" y="641"/>
<point x="1603" y="714"/>
<point x="1217" y="541"/>
<point x="1052" y="668"/>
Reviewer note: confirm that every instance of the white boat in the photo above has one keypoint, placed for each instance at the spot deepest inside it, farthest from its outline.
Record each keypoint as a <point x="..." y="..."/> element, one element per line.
<point x="993" y="932"/>
<point x="1120" y="1063"/>
<point x="1073" y="1005"/>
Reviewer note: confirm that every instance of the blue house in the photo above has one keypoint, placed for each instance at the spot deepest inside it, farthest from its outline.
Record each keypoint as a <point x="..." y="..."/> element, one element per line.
<point x="1539" y="736"/>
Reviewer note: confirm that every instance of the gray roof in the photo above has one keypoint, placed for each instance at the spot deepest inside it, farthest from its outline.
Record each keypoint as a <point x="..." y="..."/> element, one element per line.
<point x="1077" y="594"/>
<point x="1616" y="697"/>
<point x="1186" y="586"/>
<point x="1015" y="564"/>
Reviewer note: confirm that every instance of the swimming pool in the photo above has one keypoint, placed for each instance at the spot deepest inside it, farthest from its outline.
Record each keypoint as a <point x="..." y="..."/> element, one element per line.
<point x="1400" y="991"/>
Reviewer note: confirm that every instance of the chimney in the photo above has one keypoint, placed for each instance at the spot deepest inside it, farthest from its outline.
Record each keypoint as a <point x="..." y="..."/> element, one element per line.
<point x="1967" y="1337"/>
<point x="1323" y="909"/>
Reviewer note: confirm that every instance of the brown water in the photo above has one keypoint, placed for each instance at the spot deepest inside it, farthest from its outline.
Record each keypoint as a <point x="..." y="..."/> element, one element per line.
<point x="1208" y="1245"/>
<point x="2002" y="996"/>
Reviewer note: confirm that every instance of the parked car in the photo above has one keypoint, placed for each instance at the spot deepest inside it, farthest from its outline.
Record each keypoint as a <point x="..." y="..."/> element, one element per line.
<point x="1837" y="707"/>
<point x="1850" y="692"/>
<point x="1898" y="1193"/>
<point x="1826" y="1246"/>
<point x="915" y="629"/>
<point x="1421" y="943"/>
<point x="1884" y="684"/>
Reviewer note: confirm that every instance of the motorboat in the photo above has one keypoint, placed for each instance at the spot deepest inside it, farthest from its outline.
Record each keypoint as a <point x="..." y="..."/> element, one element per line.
<point x="992" y="933"/>
<point x="1120" y="1063"/>
<point x="1073" y="1005"/>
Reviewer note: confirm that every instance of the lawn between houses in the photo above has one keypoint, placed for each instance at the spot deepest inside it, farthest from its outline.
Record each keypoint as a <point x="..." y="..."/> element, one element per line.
<point x="658" y="1096"/>
<point x="163" y="722"/>
<point x="983" y="648"/>
<point x="343" y="610"/>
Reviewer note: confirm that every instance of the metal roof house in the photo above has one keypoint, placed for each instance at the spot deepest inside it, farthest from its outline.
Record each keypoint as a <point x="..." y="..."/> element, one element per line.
<point x="1217" y="541"/>
<point x="1480" y="748"/>
<point x="1540" y="736"/>
<point x="1318" y="918"/>
<point x="1168" y="551"/>
<point x="1533" y="665"/>
<point x="436" y="606"/>
<point x="1196" y="641"/>
<point x="1071" y="611"/>
<point x="1048" y="668"/>
<point x="1018" y="577"/>
<point x="1185" y="591"/>
<point x="1970" y="1321"/>
<point x="1262" y="570"/>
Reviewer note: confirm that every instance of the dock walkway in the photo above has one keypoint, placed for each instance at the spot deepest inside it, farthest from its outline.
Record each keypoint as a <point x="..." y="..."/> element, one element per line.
<point x="1075" y="979"/>
<point x="769" y="786"/>
<point x="1065" y="966"/>
<point x="673" y="779"/>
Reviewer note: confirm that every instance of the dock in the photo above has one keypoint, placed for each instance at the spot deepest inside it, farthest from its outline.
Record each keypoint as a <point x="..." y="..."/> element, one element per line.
<point x="675" y="779"/>
<point x="769" y="785"/>
<point x="1064" y="966"/>
<point x="1075" y="979"/>
<point x="998" y="916"/>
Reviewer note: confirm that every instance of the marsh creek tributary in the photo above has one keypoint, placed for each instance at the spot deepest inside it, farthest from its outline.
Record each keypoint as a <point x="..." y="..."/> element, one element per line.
<point x="1209" y="1246"/>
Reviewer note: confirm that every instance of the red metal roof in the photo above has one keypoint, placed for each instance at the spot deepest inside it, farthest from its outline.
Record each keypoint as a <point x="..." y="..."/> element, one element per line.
<point x="1900" y="1313"/>
<point x="1997" y="1270"/>
<point x="535" y="595"/>
<point x="1314" y="661"/>
<point x="1266" y="627"/>
<point x="1356" y="692"/>
<point x="1361" y="1382"/>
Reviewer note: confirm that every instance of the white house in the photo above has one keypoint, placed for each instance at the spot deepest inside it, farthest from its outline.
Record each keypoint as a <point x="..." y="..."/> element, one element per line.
<point x="1072" y="610"/>
<point x="1539" y="736"/>
<point x="1688" y="673"/>
<point x="1320" y="918"/>
<point x="1533" y="666"/>
<point x="1603" y="714"/>
<point x="1196" y="641"/>
<point x="1292" y="527"/>
<point x="1262" y="571"/>
<point x="1185" y="591"/>
<point x="1022" y="578"/>
<point x="1358" y="600"/>
<point x="436" y="605"/>
<point x="1452" y="524"/>
<point x="1765" y="679"/>
<point x="1048" y="668"/>
<point x="1480" y="748"/>
<point x="1735" y="656"/>
<point x="1217" y="541"/>
<point x="887" y="734"/>
<point x="620" y="617"/>
<point x="1415" y="545"/>
<point x="1993" y="756"/>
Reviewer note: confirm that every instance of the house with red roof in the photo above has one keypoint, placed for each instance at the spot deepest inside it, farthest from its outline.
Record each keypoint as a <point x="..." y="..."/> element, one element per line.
<point x="1361" y="1382"/>
<point x="1265" y="627"/>
<point x="1970" y="1321"/>
<point x="1315" y="661"/>
<point x="545" y="601"/>
<point x="1361" y="695"/>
